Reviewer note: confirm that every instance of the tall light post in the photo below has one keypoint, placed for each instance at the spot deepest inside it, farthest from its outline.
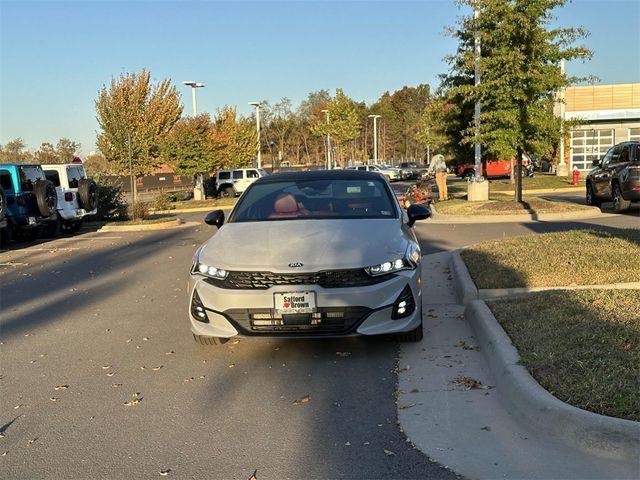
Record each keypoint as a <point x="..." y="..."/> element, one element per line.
<point x="326" y="112"/>
<point x="562" y="169"/>
<point x="476" y="113"/>
<point x="257" y="105"/>
<point x="193" y="85"/>
<point x="375" y="137"/>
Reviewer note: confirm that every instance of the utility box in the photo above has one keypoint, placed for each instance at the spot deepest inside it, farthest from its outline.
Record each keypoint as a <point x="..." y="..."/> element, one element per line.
<point x="477" y="191"/>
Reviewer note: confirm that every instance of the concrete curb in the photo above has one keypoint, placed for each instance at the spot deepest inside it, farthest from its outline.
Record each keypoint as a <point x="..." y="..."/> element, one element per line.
<point x="589" y="212"/>
<point x="597" y="434"/>
<point x="466" y="289"/>
<point x="536" y="191"/>
<point x="177" y="223"/>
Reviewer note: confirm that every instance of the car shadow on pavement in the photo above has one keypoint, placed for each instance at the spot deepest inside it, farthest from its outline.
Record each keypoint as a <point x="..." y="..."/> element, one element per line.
<point x="320" y="406"/>
<point x="60" y="287"/>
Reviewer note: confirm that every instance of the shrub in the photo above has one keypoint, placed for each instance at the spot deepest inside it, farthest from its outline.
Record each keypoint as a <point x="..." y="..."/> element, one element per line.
<point x="138" y="211"/>
<point x="162" y="201"/>
<point x="111" y="203"/>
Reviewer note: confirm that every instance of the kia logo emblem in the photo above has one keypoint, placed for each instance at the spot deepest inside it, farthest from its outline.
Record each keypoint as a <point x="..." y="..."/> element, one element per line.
<point x="295" y="265"/>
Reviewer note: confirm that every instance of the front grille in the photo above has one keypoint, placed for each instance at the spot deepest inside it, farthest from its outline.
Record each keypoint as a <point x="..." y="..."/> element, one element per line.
<point x="356" y="277"/>
<point x="326" y="320"/>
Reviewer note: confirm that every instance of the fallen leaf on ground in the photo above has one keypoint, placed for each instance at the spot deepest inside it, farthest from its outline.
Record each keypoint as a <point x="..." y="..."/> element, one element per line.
<point x="188" y="379"/>
<point x="407" y="405"/>
<point x="61" y="387"/>
<point x="106" y="367"/>
<point x="155" y="369"/>
<point x="469" y="383"/>
<point x="487" y="428"/>
<point x="348" y="444"/>
<point x="253" y="475"/>
<point x="388" y="453"/>
<point x="343" y="354"/>
<point x="304" y="399"/>
<point x="53" y="399"/>
<point x="232" y="365"/>
<point x="133" y="402"/>
<point x="17" y="406"/>
<point x="30" y="442"/>
<point x="110" y="374"/>
<point x="116" y="385"/>
<point x="4" y="454"/>
<point x="166" y="472"/>
<point x="170" y="353"/>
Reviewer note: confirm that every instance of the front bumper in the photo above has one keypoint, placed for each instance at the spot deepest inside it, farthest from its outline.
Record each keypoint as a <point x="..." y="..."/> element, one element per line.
<point x="339" y="311"/>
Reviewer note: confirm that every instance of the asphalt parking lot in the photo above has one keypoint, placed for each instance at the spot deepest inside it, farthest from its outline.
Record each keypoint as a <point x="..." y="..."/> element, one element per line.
<point x="102" y="379"/>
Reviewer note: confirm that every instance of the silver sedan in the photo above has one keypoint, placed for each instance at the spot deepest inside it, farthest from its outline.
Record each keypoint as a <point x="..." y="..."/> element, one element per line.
<point x="309" y="254"/>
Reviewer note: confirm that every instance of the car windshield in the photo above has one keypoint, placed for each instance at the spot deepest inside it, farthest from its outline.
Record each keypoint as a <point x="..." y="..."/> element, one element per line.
<point x="315" y="199"/>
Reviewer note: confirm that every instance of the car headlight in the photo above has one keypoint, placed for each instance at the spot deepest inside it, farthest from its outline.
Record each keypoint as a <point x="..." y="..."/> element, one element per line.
<point x="208" y="270"/>
<point x="389" y="267"/>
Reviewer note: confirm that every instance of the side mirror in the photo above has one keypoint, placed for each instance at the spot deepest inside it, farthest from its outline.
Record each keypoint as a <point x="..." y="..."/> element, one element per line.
<point x="417" y="212"/>
<point x="215" y="218"/>
<point x="596" y="163"/>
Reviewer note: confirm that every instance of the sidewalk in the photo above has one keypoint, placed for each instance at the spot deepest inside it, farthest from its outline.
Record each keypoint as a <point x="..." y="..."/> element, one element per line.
<point x="469" y="429"/>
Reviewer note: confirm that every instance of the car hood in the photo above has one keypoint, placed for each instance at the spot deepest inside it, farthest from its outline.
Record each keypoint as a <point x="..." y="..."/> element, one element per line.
<point x="316" y="244"/>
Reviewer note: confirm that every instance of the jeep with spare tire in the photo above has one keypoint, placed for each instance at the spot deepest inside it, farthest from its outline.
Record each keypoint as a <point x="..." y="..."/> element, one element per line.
<point x="77" y="197"/>
<point x="30" y="200"/>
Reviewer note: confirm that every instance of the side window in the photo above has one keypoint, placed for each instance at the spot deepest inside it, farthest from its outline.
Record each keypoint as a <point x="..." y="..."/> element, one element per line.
<point x="5" y="180"/>
<point x="238" y="175"/>
<point x="607" y="157"/>
<point x="252" y="174"/>
<point x="53" y="177"/>
<point x="624" y="154"/>
<point x="224" y="175"/>
<point x="363" y="168"/>
<point x="615" y="155"/>
<point x="73" y="177"/>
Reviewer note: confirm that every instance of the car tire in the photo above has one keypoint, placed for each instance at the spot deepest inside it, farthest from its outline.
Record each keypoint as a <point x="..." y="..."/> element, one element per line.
<point x="414" y="335"/>
<point x="205" y="340"/>
<point x="619" y="203"/>
<point x="591" y="198"/>
<point x="46" y="197"/>
<point x="227" y="192"/>
<point x="87" y="194"/>
<point x="3" y="204"/>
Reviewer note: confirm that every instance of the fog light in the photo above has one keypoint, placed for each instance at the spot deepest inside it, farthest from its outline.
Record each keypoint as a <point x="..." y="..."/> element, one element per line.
<point x="197" y="308"/>
<point x="404" y="305"/>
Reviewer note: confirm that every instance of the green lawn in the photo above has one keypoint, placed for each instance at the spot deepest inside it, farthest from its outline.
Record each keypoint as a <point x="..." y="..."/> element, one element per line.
<point x="582" y="346"/>
<point x="502" y="205"/>
<point x="576" y="257"/>
<point x="538" y="182"/>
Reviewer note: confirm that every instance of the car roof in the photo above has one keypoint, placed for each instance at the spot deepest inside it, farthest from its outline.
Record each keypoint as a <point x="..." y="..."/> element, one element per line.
<point x="319" y="175"/>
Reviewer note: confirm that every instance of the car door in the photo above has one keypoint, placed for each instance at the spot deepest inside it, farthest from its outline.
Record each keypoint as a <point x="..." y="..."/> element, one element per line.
<point x="602" y="176"/>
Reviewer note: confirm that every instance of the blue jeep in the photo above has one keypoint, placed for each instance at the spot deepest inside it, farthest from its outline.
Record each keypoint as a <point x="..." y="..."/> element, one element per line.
<point x="30" y="200"/>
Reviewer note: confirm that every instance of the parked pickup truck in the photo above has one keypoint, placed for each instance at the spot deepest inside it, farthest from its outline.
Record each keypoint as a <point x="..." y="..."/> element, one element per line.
<point x="417" y="170"/>
<point x="495" y="168"/>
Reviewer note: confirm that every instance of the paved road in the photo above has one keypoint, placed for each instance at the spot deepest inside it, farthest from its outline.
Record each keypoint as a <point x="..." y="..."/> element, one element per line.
<point x="102" y="317"/>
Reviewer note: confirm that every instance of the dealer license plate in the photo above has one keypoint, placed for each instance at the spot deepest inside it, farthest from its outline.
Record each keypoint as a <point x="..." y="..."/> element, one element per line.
<point x="295" y="302"/>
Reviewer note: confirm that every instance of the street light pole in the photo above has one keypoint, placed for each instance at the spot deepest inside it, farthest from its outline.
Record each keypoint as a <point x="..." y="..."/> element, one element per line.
<point x="562" y="170"/>
<point x="375" y="137"/>
<point x="193" y="85"/>
<point x="476" y="113"/>
<point x="257" y="105"/>
<point x="326" y="112"/>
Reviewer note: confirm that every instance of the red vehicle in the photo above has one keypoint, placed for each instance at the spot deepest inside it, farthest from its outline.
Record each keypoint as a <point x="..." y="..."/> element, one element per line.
<point x="495" y="168"/>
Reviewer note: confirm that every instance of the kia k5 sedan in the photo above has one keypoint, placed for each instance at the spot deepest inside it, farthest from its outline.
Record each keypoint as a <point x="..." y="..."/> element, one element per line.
<point x="309" y="254"/>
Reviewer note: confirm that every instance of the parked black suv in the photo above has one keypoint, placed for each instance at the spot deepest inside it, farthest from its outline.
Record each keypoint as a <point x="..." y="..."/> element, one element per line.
<point x="616" y="178"/>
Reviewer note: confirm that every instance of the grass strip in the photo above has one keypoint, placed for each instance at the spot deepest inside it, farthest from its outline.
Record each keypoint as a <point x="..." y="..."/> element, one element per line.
<point x="582" y="346"/>
<point x="500" y="205"/>
<point x="574" y="257"/>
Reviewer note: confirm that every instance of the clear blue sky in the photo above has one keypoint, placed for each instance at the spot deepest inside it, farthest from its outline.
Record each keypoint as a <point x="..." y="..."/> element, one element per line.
<point x="56" y="55"/>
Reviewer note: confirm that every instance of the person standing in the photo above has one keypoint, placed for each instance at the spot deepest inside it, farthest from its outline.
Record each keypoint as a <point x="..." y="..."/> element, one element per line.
<point x="439" y="168"/>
